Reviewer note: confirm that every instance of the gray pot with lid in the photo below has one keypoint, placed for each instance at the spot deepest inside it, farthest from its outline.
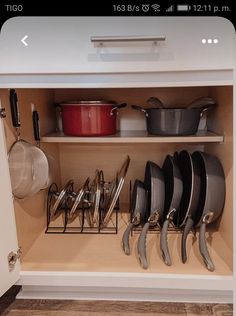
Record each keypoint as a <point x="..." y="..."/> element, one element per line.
<point x="179" y="121"/>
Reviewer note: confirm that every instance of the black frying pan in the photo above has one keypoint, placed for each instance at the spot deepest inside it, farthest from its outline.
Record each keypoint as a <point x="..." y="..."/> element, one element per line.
<point x="212" y="198"/>
<point x="173" y="194"/>
<point x="190" y="173"/>
<point x="155" y="185"/>
<point x="138" y="209"/>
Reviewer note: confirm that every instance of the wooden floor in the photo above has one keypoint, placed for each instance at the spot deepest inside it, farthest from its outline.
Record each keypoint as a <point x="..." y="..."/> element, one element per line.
<point x="11" y="307"/>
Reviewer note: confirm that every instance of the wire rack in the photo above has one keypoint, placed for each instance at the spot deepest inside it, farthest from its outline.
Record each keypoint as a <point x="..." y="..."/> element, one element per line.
<point x="83" y="220"/>
<point x="172" y="229"/>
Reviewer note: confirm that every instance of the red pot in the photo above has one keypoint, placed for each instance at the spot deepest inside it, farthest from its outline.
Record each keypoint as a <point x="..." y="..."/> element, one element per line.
<point x="89" y="118"/>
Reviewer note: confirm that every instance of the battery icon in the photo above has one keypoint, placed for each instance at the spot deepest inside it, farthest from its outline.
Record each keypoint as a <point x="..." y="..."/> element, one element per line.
<point x="183" y="7"/>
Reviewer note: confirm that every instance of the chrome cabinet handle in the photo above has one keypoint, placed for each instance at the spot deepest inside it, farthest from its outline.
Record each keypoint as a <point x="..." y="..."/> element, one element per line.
<point x="106" y="39"/>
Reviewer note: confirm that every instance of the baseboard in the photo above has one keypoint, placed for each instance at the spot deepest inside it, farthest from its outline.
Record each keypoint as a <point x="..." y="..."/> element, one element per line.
<point x="124" y="294"/>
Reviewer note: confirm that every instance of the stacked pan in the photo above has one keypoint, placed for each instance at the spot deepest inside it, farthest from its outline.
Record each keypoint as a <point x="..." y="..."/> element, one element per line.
<point x="187" y="192"/>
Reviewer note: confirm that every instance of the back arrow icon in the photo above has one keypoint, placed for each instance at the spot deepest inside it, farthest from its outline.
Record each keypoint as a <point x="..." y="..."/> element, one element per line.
<point x="23" y="40"/>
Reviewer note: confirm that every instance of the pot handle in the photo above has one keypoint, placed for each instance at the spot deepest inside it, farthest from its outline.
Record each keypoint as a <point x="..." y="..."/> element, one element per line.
<point x="187" y="228"/>
<point x="139" y="108"/>
<point x="207" y="107"/>
<point x="14" y="108"/>
<point x="142" y="255"/>
<point x="125" y="239"/>
<point x="117" y="106"/>
<point x="203" y="248"/>
<point x="35" y="117"/>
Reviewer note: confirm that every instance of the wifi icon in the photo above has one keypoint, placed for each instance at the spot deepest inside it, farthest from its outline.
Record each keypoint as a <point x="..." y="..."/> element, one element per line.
<point x="156" y="7"/>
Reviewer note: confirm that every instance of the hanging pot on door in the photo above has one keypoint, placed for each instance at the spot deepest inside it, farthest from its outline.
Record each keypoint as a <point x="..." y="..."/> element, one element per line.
<point x="89" y="118"/>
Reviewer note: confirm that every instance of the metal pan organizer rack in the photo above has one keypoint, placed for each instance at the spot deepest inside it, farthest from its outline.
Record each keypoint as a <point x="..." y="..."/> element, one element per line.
<point x="93" y="209"/>
<point x="82" y="211"/>
<point x="172" y="229"/>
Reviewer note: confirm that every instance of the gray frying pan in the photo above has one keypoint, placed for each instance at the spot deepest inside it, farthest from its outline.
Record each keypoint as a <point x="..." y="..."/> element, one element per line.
<point x="212" y="198"/>
<point x="190" y="173"/>
<point x="138" y="209"/>
<point x="155" y="185"/>
<point x="173" y="194"/>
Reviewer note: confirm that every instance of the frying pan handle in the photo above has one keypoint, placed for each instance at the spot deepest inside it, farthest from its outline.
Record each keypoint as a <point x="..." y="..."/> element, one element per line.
<point x="187" y="228"/>
<point x="118" y="106"/>
<point x="139" y="108"/>
<point x="15" y="116"/>
<point x="125" y="239"/>
<point x="142" y="255"/>
<point x="36" y="127"/>
<point x="164" y="243"/>
<point x="203" y="248"/>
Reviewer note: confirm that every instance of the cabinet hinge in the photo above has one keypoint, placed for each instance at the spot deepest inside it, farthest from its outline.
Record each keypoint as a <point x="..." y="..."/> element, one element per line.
<point x="2" y="112"/>
<point x="13" y="257"/>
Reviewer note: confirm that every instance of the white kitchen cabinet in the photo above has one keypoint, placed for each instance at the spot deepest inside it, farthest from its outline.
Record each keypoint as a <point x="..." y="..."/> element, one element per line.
<point x="63" y="45"/>
<point x="94" y="266"/>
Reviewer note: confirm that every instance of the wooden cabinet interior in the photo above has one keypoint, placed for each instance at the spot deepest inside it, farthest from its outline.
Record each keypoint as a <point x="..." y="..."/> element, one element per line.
<point x="77" y="161"/>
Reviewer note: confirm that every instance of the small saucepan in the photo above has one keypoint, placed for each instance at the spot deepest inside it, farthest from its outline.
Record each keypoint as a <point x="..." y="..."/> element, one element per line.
<point x="155" y="186"/>
<point x="175" y="121"/>
<point x="212" y="198"/>
<point x="138" y="209"/>
<point x="89" y="118"/>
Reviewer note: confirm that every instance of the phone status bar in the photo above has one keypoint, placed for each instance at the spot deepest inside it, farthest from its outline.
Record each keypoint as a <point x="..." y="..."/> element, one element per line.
<point x="157" y="8"/>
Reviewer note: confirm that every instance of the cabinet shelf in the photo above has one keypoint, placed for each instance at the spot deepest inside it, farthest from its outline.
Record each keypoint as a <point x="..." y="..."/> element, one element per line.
<point x="135" y="137"/>
<point x="83" y="253"/>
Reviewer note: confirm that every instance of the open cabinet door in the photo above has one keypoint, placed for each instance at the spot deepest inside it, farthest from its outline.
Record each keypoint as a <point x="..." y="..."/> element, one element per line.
<point x="8" y="237"/>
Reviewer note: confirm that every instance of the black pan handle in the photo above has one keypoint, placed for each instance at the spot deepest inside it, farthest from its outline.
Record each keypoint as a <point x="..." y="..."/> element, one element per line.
<point x="125" y="239"/>
<point x="139" y="108"/>
<point x="15" y="116"/>
<point x="187" y="228"/>
<point x="35" y="117"/>
<point x="142" y="254"/>
<point x="203" y="248"/>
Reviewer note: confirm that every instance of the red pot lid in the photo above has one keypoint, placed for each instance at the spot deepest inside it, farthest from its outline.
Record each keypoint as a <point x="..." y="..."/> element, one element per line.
<point x="89" y="102"/>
